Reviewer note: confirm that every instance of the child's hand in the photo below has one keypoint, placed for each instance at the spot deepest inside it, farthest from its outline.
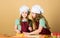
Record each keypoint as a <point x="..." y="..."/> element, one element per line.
<point x="25" y="33"/>
<point x="18" y="31"/>
<point x="30" y="28"/>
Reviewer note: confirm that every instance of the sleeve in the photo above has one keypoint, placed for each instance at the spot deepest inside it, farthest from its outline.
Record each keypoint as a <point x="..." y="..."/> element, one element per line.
<point x="42" y="22"/>
<point x="17" y="22"/>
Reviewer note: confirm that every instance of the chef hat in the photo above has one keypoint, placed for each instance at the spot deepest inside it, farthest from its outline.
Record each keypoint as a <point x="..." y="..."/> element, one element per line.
<point x="37" y="9"/>
<point x="24" y="8"/>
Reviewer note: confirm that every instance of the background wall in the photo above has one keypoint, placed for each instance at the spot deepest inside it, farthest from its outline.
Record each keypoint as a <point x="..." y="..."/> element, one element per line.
<point x="9" y="11"/>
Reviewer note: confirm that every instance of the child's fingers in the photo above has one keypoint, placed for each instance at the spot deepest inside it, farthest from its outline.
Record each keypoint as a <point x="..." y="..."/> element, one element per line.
<point x="30" y="28"/>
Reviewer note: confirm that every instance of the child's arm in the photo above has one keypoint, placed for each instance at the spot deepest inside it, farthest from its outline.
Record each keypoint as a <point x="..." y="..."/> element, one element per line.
<point x="36" y="31"/>
<point x="17" y="31"/>
<point x="17" y="26"/>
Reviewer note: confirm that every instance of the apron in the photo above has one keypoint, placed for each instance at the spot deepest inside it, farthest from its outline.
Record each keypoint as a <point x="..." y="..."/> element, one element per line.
<point x="45" y="31"/>
<point x="24" y="27"/>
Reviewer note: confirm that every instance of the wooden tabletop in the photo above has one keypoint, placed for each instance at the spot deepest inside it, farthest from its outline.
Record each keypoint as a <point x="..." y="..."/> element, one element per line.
<point x="28" y="36"/>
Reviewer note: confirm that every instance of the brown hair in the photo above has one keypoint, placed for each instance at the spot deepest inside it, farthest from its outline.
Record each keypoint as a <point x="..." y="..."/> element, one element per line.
<point x="37" y="18"/>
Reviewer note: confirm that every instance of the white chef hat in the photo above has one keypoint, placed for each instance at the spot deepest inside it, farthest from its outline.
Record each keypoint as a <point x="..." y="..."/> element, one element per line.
<point x="37" y="9"/>
<point x="24" y="8"/>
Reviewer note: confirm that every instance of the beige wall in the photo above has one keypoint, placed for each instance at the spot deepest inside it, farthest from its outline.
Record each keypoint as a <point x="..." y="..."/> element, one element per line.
<point x="9" y="12"/>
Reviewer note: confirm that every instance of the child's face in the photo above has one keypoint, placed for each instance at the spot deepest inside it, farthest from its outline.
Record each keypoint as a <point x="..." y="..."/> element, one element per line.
<point x="33" y="15"/>
<point x="24" y="14"/>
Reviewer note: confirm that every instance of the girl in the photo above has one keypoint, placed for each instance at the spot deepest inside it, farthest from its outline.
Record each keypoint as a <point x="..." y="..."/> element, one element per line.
<point x="24" y="23"/>
<point x="39" y="23"/>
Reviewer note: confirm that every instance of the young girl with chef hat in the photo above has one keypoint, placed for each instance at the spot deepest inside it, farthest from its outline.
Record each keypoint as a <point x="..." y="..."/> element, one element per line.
<point x="23" y="24"/>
